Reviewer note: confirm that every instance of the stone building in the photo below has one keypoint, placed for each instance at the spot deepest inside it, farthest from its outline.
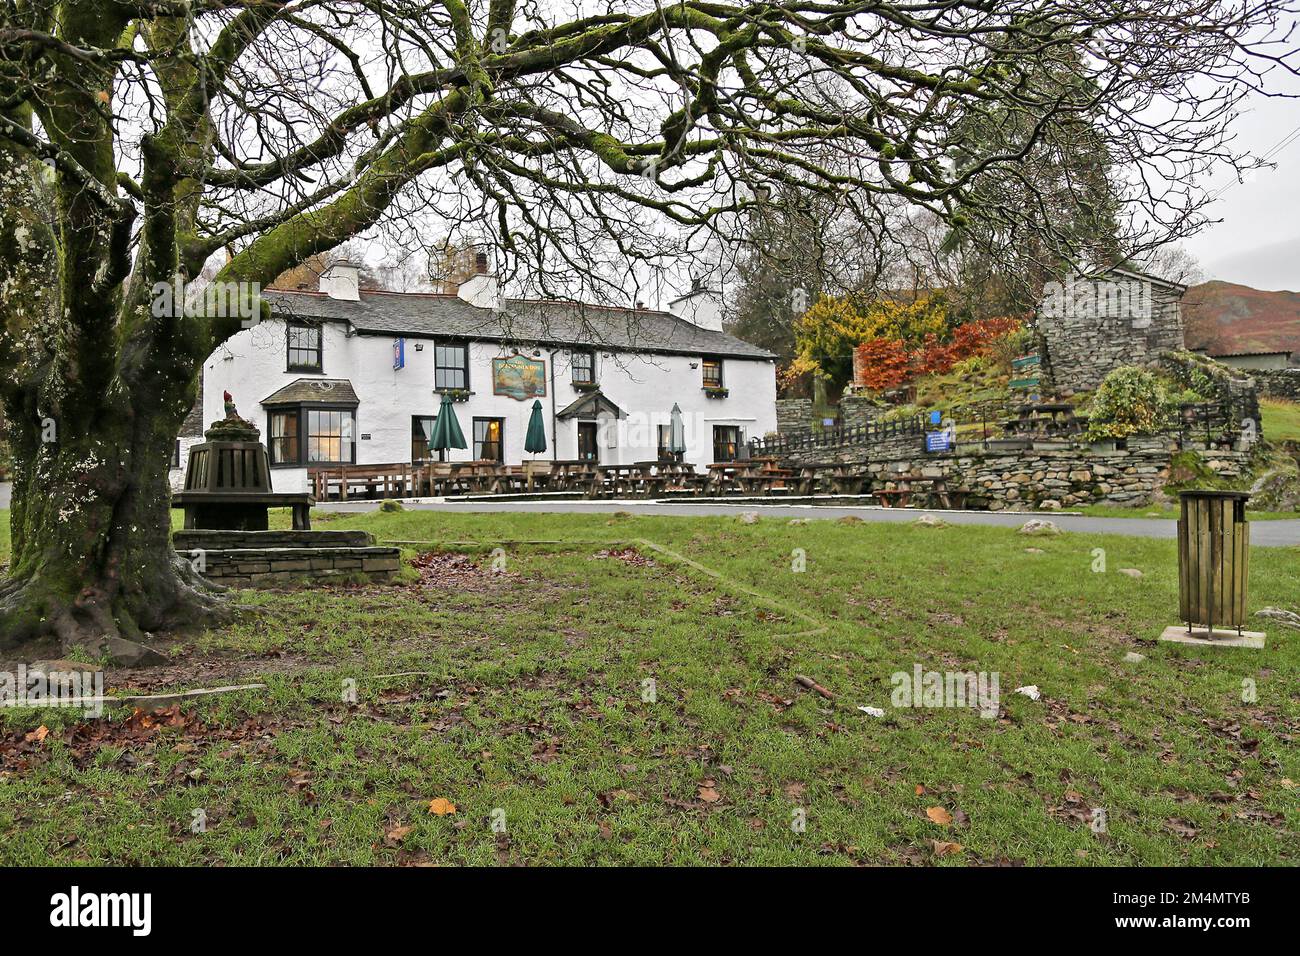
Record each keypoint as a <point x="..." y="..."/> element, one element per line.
<point x="1089" y="327"/>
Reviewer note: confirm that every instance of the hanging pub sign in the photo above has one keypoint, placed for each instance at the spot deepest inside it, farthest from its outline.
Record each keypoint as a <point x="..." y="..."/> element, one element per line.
<point x="518" y="377"/>
<point x="399" y="354"/>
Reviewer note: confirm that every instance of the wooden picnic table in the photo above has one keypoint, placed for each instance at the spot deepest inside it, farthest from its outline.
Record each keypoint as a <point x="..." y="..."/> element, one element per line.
<point x="935" y="491"/>
<point x="387" y="480"/>
<point x="476" y="475"/>
<point x="674" y="468"/>
<point x="843" y="478"/>
<point x="507" y="479"/>
<point x="723" y="474"/>
<point x="569" y="473"/>
<point x="631" y="479"/>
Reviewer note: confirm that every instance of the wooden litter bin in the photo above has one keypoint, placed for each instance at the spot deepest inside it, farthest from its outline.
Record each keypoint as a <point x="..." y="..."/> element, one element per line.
<point x="1213" y="559"/>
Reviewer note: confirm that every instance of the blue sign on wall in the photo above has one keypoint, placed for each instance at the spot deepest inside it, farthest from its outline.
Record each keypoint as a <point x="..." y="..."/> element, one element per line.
<point x="938" y="441"/>
<point x="399" y="354"/>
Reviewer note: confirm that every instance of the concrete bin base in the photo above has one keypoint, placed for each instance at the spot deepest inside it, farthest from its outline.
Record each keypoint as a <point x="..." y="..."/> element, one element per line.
<point x="1179" y="634"/>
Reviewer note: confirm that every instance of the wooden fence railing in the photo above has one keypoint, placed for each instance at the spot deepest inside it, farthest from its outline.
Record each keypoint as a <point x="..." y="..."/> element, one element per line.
<point x="872" y="433"/>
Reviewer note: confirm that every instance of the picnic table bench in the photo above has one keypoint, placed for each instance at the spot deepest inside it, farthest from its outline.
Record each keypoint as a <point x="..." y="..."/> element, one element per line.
<point x="390" y="480"/>
<point x="840" y="477"/>
<point x="934" y="491"/>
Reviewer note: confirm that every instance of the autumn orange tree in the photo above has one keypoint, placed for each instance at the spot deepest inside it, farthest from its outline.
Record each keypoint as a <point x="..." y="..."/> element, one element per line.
<point x="827" y="334"/>
<point x="882" y="364"/>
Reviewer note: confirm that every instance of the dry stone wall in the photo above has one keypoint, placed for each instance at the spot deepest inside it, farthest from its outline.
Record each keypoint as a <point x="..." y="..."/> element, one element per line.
<point x="1284" y="383"/>
<point x="1061" y="474"/>
<point x="793" y="415"/>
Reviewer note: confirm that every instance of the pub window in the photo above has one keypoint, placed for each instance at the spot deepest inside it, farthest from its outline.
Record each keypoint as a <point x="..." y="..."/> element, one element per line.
<point x="665" y="438"/>
<point x="311" y="436"/>
<point x="712" y="372"/>
<point x="421" y="436"/>
<point x="584" y="368"/>
<point x="451" y="366"/>
<point x="329" y="436"/>
<point x="176" y="454"/>
<point x="304" y="347"/>
<point x="282" y="437"/>
<point x="487" y="439"/>
<point x="726" y="442"/>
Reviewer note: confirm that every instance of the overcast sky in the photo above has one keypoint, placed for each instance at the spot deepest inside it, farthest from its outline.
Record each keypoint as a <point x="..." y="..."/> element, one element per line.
<point x="1257" y="243"/>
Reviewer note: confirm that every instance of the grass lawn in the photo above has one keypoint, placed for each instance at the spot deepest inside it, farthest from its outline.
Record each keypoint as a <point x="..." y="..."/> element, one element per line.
<point x="1171" y="512"/>
<point x="1281" y="419"/>
<point x="533" y="714"/>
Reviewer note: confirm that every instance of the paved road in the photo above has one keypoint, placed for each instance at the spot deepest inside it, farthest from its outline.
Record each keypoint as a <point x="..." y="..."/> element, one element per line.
<point x="1265" y="533"/>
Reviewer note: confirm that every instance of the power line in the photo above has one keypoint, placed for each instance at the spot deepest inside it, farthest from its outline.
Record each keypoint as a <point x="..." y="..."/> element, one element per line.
<point x="1278" y="147"/>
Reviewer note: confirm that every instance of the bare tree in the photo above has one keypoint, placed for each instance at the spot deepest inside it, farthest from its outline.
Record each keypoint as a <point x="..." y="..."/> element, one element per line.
<point x="138" y="138"/>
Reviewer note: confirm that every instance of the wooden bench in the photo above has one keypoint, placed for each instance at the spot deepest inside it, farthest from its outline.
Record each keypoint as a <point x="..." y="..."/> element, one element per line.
<point x="241" y="511"/>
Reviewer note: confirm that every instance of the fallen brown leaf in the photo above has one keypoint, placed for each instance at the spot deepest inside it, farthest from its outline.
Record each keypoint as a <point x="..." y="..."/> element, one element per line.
<point x="944" y="848"/>
<point x="939" y="815"/>
<point x="396" y="835"/>
<point x="441" y="806"/>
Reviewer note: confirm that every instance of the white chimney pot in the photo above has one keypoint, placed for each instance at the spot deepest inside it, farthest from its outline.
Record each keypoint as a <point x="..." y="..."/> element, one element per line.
<point x="481" y="289"/>
<point x="702" y="307"/>
<point x="342" y="280"/>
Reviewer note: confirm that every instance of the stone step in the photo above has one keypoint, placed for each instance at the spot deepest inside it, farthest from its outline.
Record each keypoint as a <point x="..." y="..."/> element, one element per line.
<point x="280" y="567"/>
<point x="213" y="540"/>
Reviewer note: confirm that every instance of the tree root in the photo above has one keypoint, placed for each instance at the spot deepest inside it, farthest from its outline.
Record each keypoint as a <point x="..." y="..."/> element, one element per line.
<point x="103" y="621"/>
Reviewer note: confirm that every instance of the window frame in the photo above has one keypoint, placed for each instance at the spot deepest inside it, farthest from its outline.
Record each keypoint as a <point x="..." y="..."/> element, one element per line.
<point x="438" y="346"/>
<point x="476" y="443"/>
<point x="736" y="442"/>
<point x="305" y="431"/>
<point x="663" y="438"/>
<point x="590" y="356"/>
<point x="298" y="412"/>
<point x="295" y="325"/>
<point x="291" y="413"/>
<point x="705" y="362"/>
<point x="441" y="453"/>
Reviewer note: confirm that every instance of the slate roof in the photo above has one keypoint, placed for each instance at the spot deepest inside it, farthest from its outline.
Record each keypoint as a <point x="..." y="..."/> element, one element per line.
<point x="336" y="391"/>
<point x="533" y="321"/>
<point x="591" y="404"/>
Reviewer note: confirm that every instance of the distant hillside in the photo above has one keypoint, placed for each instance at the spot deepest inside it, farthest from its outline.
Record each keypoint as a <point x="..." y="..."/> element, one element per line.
<point x="1226" y="318"/>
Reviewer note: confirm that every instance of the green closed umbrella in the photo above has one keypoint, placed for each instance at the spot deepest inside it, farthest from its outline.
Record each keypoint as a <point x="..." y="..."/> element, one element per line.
<point x="535" y="440"/>
<point x="676" y="431"/>
<point x="446" y="430"/>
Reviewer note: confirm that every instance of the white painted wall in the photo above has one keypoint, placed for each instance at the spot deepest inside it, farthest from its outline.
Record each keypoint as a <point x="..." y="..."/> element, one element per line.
<point x="251" y="366"/>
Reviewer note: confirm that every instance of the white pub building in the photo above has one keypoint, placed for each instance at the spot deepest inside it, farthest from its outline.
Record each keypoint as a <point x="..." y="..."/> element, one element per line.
<point x="346" y="376"/>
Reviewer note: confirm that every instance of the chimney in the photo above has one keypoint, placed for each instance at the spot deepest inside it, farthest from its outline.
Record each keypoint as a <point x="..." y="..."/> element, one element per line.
<point x="341" y="281"/>
<point x="481" y="289"/>
<point x="702" y="307"/>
